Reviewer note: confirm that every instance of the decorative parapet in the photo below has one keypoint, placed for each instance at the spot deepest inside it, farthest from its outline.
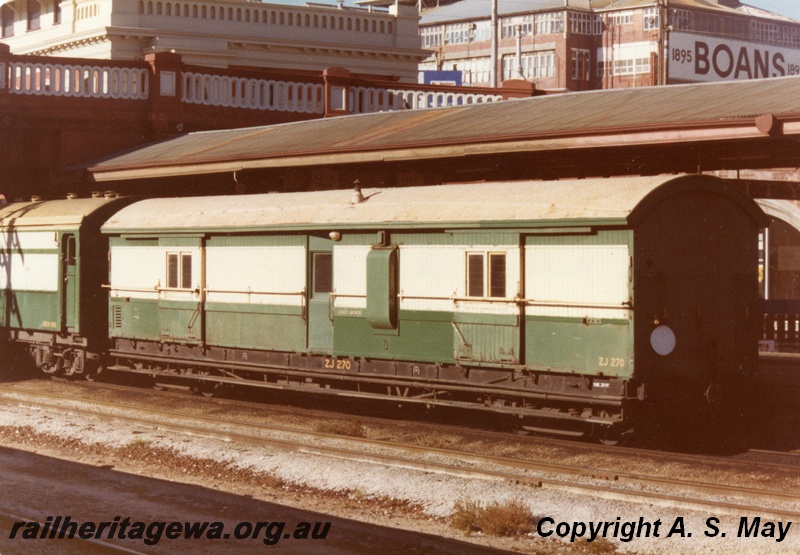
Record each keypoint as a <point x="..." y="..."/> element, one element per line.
<point x="77" y="81"/>
<point x="170" y="88"/>
<point x="254" y="94"/>
<point x="364" y="100"/>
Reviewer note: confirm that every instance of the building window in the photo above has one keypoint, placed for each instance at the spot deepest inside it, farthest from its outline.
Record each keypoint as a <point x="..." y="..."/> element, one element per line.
<point x="475" y="71"/>
<point x="482" y="31"/>
<point x="34" y="15"/>
<point x="626" y="66"/>
<point x="56" y="12"/>
<point x="8" y="21"/>
<point x="548" y="23"/>
<point x="620" y="18"/>
<point x="509" y="26"/>
<point x="708" y="23"/>
<point x="486" y="275"/>
<point x="736" y="27"/>
<point x="431" y="36"/>
<point x="582" y="23"/>
<point x="534" y="65"/>
<point x="580" y="64"/>
<point x="790" y="36"/>
<point x="765" y="32"/>
<point x="457" y="33"/>
<point x="179" y="270"/>
<point x="681" y="20"/>
<point x="651" y="19"/>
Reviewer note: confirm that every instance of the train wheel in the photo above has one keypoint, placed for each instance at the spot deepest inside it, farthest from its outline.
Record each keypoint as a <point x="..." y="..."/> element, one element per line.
<point x="206" y="390"/>
<point x="614" y="437"/>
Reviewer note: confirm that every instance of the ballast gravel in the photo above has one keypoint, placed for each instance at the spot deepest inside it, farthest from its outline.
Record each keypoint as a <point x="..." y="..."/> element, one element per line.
<point x="419" y="500"/>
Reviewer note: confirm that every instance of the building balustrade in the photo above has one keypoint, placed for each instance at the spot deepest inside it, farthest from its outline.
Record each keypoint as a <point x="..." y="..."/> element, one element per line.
<point x="173" y="91"/>
<point x="78" y="81"/>
<point x="364" y="100"/>
<point x="255" y="94"/>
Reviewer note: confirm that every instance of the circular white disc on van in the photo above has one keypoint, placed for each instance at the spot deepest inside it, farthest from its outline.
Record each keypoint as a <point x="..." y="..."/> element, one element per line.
<point x="662" y="340"/>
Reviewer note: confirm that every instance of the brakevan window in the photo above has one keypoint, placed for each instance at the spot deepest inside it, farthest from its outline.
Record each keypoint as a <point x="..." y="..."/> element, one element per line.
<point x="486" y="274"/>
<point x="323" y="272"/>
<point x="179" y="270"/>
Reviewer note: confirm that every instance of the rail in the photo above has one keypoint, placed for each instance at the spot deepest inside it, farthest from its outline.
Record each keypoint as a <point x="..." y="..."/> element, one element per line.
<point x="154" y="289"/>
<point x="519" y="301"/>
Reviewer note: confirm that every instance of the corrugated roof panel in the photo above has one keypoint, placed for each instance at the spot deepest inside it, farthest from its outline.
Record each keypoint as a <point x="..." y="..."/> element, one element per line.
<point x="528" y="119"/>
<point x="548" y="201"/>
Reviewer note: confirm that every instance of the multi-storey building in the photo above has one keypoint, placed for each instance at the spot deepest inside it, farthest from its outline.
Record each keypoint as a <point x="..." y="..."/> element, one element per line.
<point x="222" y="33"/>
<point x="593" y="44"/>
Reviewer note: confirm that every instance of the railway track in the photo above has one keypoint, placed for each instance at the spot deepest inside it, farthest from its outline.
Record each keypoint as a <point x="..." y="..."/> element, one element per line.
<point x="766" y="460"/>
<point x="594" y="482"/>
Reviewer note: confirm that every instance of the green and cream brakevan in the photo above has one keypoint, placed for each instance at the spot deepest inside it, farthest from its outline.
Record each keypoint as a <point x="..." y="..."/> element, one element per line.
<point x="568" y="303"/>
<point x="577" y="306"/>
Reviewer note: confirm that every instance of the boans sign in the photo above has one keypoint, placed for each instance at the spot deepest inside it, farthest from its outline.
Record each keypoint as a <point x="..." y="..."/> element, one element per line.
<point x="697" y="58"/>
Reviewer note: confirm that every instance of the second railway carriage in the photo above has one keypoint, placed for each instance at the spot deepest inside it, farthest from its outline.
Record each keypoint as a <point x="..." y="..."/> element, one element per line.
<point x="53" y="260"/>
<point x="568" y="303"/>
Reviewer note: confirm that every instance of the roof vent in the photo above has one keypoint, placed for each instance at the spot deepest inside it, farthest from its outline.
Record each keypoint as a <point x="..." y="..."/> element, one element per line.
<point x="36" y="198"/>
<point x="357" y="197"/>
<point x="71" y="196"/>
<point x="97" y="194"/>
<point x="110" y="194"/>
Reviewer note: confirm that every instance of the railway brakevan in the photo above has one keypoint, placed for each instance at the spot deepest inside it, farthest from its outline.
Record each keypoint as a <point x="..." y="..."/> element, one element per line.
<point x="577" y="306"/>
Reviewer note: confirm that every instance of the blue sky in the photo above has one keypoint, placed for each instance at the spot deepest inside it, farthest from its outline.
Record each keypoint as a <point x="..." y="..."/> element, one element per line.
<point x="789" y="8"/>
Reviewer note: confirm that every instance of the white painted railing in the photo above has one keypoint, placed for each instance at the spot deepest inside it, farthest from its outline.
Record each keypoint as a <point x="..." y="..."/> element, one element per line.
<point x="131" y="83"/>
<point x="258" y="94"/>
<point x="81" y="81"/>
<point x="364" y="100"/>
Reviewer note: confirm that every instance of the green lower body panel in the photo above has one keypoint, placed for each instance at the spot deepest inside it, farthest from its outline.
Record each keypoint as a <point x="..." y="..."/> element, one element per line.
<point x="420" y="336"/>
<point x="571" y="345"/>
<point x="488" y="338"/>
<point x="31" y="310"/>
<point x="444" y="337"/>
<point x="134" y="319"/>
<point x="181" y="320"/>
<point x="278" y="328"/>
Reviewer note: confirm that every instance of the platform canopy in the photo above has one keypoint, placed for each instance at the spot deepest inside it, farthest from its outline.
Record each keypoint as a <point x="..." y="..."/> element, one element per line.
<point x="648" y="130"/>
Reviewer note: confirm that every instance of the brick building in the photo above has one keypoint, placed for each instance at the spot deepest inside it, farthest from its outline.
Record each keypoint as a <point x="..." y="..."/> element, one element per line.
<point x="602" y="44"/>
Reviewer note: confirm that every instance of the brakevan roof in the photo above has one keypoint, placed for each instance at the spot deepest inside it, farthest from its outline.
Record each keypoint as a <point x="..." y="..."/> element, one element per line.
<point x="611" y="201"/>
<point x="610" y="118"/>
<point x="50" y="214"/>
<point x="466" y="10"/>
<point x="785" y="210"/>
